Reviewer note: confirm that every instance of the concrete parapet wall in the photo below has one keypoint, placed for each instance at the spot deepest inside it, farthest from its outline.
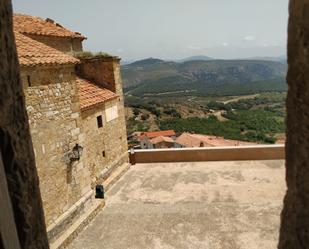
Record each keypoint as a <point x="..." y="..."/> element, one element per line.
<point x="258" y="152"/>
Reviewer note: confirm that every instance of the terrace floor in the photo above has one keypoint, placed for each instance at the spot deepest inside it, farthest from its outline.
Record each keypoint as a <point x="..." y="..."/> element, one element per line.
<point x="213" y="205"/>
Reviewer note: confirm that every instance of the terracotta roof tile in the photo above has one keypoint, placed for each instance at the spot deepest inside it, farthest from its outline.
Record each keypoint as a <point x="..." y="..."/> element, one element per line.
<point x="31" y="53"/>
<point x="37" y="26"/>
<point x="198" y="140"/>
<point x="167" y="133"/>
<point x="92" y="95"/>
<point x="160" y="139"/>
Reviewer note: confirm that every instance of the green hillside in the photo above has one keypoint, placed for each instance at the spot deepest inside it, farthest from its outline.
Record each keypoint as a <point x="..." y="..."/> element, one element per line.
<point x="202" y="78"/>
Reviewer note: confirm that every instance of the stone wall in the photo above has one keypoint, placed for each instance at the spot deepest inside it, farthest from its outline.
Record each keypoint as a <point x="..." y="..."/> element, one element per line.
<point x="101" y="70"/>
<point x="42" y="76"/>
<point x="106" y="147"/>
<point x="54" y="117"/>
<point x="294" y="231"/>
<point x="57" y="125"/>
<point x="16" y="145"/>
<point x="63" y="44"/>
<point x="111" y="139"/>
<point x="117" y="78"/>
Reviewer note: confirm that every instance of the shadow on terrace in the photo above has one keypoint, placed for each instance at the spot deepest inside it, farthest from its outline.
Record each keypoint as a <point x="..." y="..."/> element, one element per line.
<point x="228" y="197"/>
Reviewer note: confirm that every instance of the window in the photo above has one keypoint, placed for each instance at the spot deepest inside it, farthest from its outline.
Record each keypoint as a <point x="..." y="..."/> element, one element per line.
<point x="100" y="121"/>
<point x="29" y="80"/>
<point x="103" y="153"/>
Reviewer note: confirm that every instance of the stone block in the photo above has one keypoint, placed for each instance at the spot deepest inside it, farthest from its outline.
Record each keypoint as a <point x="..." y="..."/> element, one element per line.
<point x="75" y="115"/>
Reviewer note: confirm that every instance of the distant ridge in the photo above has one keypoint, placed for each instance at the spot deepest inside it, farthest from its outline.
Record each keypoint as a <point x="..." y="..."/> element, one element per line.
<point x="151" y="60"/>
<point x="282" y="58"/>
<point x="126" y="62"/>
<point x="196" y="58"/>
<point x="147" y="62"/>
<point x="212" y="77"/>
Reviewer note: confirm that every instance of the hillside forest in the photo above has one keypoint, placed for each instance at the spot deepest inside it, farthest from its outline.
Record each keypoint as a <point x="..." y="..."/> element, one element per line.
<point x="241" y="100"/>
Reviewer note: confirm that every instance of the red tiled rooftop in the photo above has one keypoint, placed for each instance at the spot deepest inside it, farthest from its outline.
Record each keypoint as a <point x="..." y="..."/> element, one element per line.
<point x="160" y="139"/>
<point x="31" y="53"/>
<point x="198" y="140"/>
<point x="91" y="95"/>
<point x="37" y="26"/>
<point x="167" y="133"/>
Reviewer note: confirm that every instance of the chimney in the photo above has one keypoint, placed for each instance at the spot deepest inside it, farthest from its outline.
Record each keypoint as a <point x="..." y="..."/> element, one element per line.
<point x="104" y="71"/>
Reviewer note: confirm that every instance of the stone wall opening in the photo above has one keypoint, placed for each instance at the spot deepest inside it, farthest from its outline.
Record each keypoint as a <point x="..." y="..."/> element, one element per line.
<point x="20" y="168"/>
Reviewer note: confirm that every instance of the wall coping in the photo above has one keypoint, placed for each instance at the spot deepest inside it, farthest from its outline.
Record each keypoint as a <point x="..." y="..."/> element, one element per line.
<point x="227" y="153"/>
<point x="212" y="148"/>
<point x="100" y="58"/>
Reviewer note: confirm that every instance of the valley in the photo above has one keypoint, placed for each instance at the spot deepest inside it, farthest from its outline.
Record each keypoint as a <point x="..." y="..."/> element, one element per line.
<point x="241" y="100"/>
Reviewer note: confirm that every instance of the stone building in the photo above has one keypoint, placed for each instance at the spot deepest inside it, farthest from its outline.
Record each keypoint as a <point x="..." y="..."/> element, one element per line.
<point x="146" y="137"/>
<point x="48" y="32"/>
<point x="162" y="142"/>
<point x="188" y="140"/>
<point x="69" y="102"/>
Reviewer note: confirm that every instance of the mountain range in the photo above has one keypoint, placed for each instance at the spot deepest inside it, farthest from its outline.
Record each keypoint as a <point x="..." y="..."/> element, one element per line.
<point x="203" y="76"/>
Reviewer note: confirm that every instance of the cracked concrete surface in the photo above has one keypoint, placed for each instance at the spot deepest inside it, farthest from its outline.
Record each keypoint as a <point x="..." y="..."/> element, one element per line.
<point x="215" y="205"/>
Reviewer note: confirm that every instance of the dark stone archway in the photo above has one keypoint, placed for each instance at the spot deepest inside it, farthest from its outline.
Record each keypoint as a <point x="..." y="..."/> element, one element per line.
<point x="16" y="146"/>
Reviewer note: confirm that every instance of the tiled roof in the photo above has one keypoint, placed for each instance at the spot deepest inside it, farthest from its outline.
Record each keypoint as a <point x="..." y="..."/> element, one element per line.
<point x="37" y="26"/>
<point x="92" y="95"/>
<point x="31" y="53"/>
<point x="160" y="139"/>
<point x="187" y="140"/>
<point x="167" y="133"/>
<point x="198" y="140"/>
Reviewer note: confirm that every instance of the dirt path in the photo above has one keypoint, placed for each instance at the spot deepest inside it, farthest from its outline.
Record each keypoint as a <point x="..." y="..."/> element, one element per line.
<point x="235" y="99"/>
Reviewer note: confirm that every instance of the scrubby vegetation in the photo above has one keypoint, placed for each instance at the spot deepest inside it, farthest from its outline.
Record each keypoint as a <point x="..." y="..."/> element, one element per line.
<point x="136" y="125"/>
<point x="253" y="125"/>
<point x="139" y="103"/>
<point x="172" y="112"/>
<point x="257" y="118"/>
<point x="88" y="54"/>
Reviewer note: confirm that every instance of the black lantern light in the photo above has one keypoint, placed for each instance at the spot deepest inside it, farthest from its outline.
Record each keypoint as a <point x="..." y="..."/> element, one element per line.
<point x="77" y="152"/>
<point x="99" y="191"/>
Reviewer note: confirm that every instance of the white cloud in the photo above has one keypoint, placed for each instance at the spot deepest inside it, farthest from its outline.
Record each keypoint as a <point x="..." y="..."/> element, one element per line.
<point x="224" y="44"/>
<point x="119" y="50"/>
<point x="249" y="38"/>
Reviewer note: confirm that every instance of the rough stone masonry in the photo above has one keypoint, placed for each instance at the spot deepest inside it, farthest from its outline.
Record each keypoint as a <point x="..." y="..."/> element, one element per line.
<point x="294" y="233"/>
<point x="69" y="101"/>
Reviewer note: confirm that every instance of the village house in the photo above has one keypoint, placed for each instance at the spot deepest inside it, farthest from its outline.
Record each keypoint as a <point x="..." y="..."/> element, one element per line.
<point x="147" y="138"/>
<point x="49" y="32"/>
<point x="162" y="142"/>
<point x="188" y="140"/>
<point x="76" y="117"/>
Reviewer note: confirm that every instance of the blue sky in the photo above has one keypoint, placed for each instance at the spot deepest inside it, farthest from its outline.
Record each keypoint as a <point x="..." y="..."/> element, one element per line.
<point x="171" y="29"/>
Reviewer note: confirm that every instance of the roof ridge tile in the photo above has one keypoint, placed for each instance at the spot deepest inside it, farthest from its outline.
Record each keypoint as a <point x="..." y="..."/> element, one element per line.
<point x="28" y="24"/>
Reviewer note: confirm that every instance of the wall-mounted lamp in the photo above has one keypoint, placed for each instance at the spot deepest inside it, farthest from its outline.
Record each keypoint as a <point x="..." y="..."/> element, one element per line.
<point x="77" y="153"/>
<point x="99" y="191"/>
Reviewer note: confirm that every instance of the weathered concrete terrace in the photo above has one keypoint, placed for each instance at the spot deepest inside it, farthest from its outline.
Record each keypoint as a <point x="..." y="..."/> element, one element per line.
<point x="215" y="205"/>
